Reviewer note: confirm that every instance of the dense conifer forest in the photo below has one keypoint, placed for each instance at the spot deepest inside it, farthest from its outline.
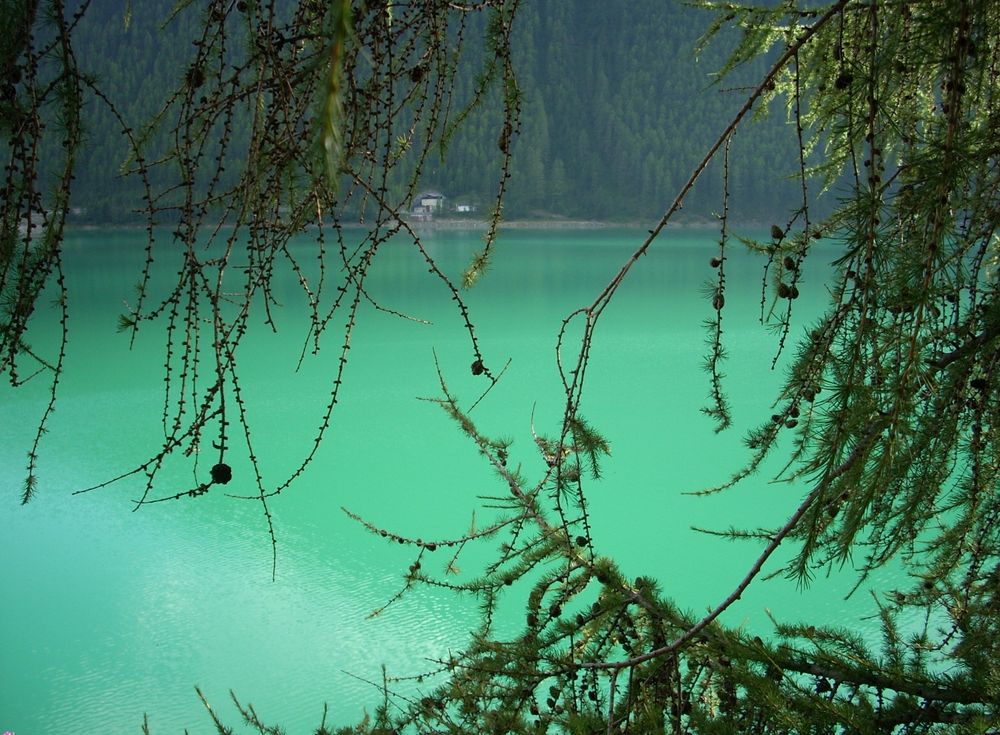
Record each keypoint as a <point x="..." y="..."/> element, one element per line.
<point x="613" y="114"/>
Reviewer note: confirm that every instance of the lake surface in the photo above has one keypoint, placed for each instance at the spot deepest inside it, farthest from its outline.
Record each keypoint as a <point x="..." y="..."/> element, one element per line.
<point x="108" y="613"/>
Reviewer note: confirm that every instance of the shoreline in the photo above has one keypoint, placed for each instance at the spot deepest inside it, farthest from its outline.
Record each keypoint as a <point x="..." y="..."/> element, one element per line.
<point x="455" y="223"/>
<point x="449" y="223"/>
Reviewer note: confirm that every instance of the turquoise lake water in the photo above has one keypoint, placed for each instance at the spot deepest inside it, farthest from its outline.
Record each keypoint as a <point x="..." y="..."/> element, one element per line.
<point x="108" y="613"/>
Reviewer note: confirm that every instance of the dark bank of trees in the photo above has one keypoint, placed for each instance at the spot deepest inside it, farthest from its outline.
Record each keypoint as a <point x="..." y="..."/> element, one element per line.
<point x="285" y="119"/>
<point x="614" y="113"/>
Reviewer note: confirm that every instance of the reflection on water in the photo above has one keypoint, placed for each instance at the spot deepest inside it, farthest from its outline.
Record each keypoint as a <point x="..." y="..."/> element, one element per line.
<point x="110" y="613"/>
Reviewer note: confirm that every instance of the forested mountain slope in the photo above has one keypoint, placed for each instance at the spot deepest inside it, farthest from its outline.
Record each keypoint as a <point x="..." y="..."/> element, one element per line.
<point x="616" y="112"/>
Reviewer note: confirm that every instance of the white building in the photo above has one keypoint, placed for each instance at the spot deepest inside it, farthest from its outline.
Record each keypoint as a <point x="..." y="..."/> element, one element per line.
<point x="429" y="202"/>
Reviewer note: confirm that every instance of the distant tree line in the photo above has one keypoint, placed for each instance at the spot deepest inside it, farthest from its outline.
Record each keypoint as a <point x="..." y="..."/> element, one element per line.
<point x="613" y="115"/>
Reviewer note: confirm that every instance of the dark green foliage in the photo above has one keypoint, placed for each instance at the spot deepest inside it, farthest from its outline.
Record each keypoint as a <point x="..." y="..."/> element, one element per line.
<point x="614" y="112"/>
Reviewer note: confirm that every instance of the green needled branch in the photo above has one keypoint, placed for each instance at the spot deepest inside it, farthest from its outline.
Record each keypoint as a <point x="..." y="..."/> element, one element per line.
<point x="333" y="105"/>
